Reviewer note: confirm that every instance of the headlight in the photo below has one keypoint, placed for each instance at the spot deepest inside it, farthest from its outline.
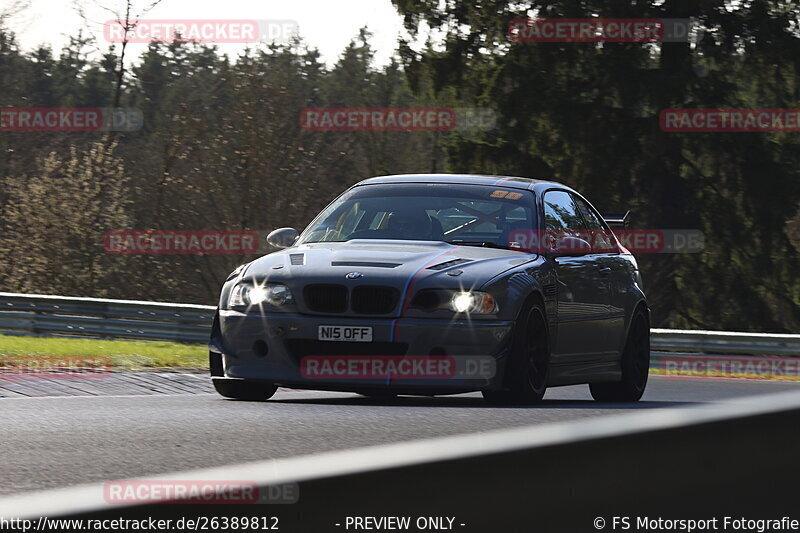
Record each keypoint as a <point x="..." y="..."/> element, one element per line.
<point x="461" y="302"/>
<point x="273" y="294"/>
<point x="473" y="302"/>
<point x="455" y="301"/>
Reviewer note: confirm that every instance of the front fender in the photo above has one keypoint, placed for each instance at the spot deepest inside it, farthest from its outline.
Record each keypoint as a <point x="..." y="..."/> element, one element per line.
<point x="514" y="288"/>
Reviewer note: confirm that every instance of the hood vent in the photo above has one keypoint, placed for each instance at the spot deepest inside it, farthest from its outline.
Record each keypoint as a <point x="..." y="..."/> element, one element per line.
<point x="448" y="264"/>
<point x="297" y="259"/>
<point x="364" y="264"/>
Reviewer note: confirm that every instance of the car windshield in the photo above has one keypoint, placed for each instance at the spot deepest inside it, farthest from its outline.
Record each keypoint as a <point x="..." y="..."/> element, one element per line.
<point x="467" y="214"/>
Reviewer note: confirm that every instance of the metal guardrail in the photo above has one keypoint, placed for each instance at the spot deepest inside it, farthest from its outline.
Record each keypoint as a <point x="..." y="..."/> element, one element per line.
<point x="724" y="342"/>
<point x="42" y="315"/>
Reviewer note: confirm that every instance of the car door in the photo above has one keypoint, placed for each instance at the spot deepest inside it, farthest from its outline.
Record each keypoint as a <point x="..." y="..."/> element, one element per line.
<point x="613" y="272"/>
<point x="582" y="291"/>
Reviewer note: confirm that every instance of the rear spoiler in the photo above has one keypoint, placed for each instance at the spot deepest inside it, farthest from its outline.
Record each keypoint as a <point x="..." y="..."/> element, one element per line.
<point x="617" y="220"/>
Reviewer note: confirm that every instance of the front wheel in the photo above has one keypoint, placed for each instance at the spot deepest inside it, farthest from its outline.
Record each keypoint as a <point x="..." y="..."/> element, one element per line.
<point x="244" y="390"/>
<point x="529" y="361"/>
<point x="635" y="366"/>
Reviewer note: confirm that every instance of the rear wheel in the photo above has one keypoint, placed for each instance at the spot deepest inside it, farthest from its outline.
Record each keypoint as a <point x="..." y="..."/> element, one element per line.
<point x="529" y="361"/>
<point x="635" y="366"/>
<point x="244" y="390"/>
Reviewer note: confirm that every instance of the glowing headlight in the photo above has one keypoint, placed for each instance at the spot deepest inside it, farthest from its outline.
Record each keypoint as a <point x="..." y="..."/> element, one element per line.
<point x="256" y="295"/>
<point x="245" y="295"/>
<point x="462" y="302"/>
<point x="473" y="302"/>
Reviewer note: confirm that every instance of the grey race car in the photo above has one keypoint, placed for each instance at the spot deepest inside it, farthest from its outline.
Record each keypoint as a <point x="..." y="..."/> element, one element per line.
<point x="438" y="284"/>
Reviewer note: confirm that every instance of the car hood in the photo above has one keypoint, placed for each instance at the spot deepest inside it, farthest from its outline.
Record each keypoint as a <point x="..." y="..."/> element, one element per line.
<point x="386" y="262"/>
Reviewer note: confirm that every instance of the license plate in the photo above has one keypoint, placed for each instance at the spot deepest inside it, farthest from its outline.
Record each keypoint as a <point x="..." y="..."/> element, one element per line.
<point x="345" y="333"/>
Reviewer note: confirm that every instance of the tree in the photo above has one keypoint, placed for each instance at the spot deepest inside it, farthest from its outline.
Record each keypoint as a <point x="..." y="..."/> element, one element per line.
<point x="57" y="215"/>
<point x="587" y="114"/>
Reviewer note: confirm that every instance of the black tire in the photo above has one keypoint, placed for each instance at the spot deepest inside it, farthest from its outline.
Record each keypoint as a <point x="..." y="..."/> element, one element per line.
<point x="244" y="390"/>
<point x="529" y="361"/>
<point x="635" y="366"/>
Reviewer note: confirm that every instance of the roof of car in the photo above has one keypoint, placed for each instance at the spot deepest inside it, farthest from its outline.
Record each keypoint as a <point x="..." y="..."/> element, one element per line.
<point x="472" y="179"/>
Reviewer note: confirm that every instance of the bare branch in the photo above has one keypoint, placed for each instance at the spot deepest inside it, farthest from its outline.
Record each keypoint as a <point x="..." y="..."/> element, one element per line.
<point x="11" y="8"/>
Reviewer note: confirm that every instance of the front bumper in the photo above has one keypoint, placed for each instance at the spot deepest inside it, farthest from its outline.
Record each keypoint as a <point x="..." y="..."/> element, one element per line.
<point x="271" y="347"/>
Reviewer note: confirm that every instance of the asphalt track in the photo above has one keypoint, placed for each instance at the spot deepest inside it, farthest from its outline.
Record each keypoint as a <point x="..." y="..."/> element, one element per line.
<point x="61" y="441"/>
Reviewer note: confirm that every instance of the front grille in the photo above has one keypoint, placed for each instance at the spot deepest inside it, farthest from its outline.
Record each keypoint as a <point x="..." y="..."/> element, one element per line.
<point x="299" y="348"/>
<point x="367" y="300"/>
<point x="326" y="298"/>
<point x="364" y="300"/>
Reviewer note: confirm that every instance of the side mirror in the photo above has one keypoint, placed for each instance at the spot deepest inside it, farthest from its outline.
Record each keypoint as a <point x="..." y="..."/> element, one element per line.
<point x="571" y="246"/>
<point x="282" y="237"/>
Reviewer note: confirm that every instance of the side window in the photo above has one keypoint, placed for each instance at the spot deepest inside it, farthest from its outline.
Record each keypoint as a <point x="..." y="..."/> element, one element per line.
<point x="599" y="237"/>
<point x="561" y="213"/>
<point x="563" y="224"/>
<point x="592" y="221"/>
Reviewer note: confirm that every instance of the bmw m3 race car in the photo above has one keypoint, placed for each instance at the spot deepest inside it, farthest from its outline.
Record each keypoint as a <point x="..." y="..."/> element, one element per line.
<point x="438" y="284"/>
